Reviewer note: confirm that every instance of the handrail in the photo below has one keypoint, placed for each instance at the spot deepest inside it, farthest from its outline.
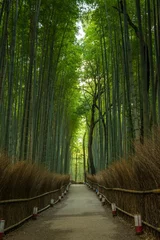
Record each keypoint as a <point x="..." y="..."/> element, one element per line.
<point x="27" y="218"/>
<point x="155" y="191"/>
<point x="39" y="211"/>
<point x="30" y="199"/>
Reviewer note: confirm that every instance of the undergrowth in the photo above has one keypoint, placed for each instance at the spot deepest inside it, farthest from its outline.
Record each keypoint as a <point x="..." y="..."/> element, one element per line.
<point x="25" y="180"/>
<point x="139" y="172"/>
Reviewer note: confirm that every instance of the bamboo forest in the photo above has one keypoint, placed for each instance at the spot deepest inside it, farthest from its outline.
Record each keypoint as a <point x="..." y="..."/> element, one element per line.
<point x="80" y="95"/>
<point x="54" y="83"/>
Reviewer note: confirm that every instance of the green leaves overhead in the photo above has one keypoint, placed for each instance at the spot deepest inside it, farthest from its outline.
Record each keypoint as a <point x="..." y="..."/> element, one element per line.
<point x="49" y="79"/>
<point x="120" y="72"/>
<point x="39" y="81"/>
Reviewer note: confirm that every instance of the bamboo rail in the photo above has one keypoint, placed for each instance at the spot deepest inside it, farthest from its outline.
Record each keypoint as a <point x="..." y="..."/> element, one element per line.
<point x="154" y="191"/>
<point x="25" y="219"/>
<point x="28" y="200"/>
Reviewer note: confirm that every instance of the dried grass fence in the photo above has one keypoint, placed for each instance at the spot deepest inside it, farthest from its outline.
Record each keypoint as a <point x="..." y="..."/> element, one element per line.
<point x="134" y="185"/>
<point x="24" y="186"/>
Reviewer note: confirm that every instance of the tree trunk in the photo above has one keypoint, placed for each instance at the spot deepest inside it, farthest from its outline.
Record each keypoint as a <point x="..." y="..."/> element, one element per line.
<point x="90" y="140"/>
<point x="84" y="157"/>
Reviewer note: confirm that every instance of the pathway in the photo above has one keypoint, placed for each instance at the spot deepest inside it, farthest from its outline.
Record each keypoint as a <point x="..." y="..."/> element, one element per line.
<point x="78" y="217"/>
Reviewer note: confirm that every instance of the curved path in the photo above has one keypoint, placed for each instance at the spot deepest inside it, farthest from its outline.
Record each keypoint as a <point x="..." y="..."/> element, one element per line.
<point x="78" y="217"/>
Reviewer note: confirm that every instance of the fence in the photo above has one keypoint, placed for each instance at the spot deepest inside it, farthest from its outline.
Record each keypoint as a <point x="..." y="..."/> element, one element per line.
<point x="131" y="202"/>
<point x="16" y="211"/>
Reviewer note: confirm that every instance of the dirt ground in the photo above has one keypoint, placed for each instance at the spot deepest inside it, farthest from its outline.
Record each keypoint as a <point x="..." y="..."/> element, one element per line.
<point x="79" y="216"/>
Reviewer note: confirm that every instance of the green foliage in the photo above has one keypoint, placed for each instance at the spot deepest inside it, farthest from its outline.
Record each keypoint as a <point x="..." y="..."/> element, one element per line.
<point x="116" y="65"/>
<point x="49" y="80"/>
<point x="40" y="81"/>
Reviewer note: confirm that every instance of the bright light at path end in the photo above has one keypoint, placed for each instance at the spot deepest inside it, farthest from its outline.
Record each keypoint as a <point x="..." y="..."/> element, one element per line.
<point x="81" y="33"/>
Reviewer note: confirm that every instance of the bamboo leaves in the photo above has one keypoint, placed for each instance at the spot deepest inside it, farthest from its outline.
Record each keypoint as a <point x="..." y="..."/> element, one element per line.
<point x="38" y="62"/>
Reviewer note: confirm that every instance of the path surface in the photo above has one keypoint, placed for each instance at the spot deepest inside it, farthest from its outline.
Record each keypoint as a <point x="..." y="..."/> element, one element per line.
<point x="79" y="216"/>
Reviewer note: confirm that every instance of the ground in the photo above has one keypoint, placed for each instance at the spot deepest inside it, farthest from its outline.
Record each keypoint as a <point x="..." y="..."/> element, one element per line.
<point x="79" y="216"/>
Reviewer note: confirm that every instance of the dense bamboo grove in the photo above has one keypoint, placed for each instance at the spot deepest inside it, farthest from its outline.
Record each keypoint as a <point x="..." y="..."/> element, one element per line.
<point x="50" y="81"/>
<point x="107" y="84"/>
<point x="39" y="58"/>
<point x="120" y="78"/>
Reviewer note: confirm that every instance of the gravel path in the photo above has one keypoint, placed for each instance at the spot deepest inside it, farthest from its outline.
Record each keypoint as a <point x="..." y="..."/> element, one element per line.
<point x="79" y="216"/>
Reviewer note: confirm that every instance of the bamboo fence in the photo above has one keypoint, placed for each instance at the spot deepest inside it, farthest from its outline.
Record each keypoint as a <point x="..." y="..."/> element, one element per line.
<point x="131" y="202"/>
<point x="17" y="211"/>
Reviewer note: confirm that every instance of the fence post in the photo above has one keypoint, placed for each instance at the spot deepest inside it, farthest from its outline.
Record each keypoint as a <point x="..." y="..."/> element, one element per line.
<point x="2" y="223"/>
<point x="52" y="202"/>
<point x="114" y="210"/>
<point x="138" y="224"/>
<point x="35" y="213"/>
<point x="100" y="197"/>
<point x="103" y="201"/>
